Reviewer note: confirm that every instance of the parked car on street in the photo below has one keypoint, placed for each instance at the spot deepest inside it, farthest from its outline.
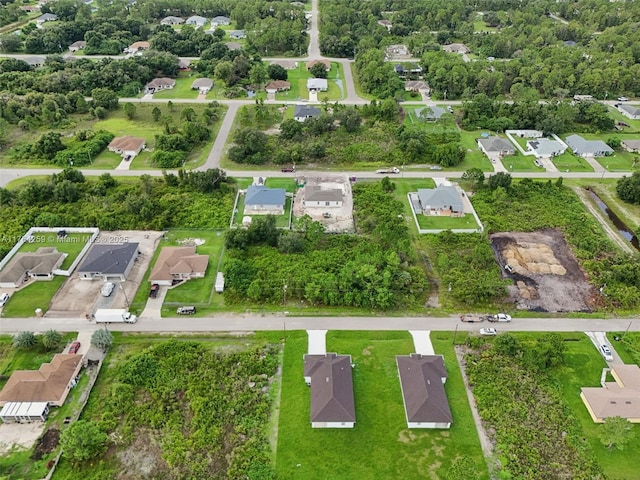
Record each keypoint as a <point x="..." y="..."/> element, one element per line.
<point x="623" y="99"/>
<point x="107" y="289"/>
<point x="288" y="169"/>
<point x="606" y="353"/>
<point x="73" y="349"/>
<point x="500" y="317"/>
<point x="186" y="310"/>
<point x="488" y="331"/>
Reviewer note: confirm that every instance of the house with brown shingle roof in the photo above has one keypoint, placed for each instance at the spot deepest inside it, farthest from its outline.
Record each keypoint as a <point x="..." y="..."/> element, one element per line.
<point x="331" y="381"/>
<point x="422" y="379"/>
<point x="38" y="265"/>
<point x="158" y="84"/>
<point x="136" y="47"/>
<point x="620" y="398"/>
<point x="277" y="86"/>
<point x="178" y="264"/>
<point x="286" y="64"/>
<point x="51" y="383"/>
<point x="127" y="146"/>
<point x="326" y="63"/>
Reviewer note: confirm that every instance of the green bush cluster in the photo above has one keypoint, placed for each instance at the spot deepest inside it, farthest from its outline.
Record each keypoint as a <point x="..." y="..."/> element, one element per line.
<point x="207" y="411"/>
<point x="536" y="435"/>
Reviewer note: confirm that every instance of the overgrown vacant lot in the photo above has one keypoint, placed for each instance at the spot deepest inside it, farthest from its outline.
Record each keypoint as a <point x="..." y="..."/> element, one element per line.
<point x="529" y="206"/>
<point x="380" y="446"/>
<point x="183" y="408"/>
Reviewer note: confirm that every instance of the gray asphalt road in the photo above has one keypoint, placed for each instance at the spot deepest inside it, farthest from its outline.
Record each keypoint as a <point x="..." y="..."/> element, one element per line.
<point x="314" y="35"/>
<point x="217" y="150"/>
<point x="244" y="323"/>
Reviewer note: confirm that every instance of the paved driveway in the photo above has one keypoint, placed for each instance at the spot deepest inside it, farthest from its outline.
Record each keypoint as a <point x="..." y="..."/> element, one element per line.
<point x="422" y="342"/>
<point x="317" y="342"/>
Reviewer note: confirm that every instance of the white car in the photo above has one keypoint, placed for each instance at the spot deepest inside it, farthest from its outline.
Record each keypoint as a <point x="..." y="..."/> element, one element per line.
<point x="623" y="99"/>
<point x="606" y="353"/>
<point x="4" y="298"/>
<point x="488" y="331"/>
<point x="107" y="289"/>
<point x="502" y="317"/>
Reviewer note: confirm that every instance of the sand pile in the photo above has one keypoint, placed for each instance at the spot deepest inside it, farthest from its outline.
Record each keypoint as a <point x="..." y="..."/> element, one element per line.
<point x="532" y="258"/>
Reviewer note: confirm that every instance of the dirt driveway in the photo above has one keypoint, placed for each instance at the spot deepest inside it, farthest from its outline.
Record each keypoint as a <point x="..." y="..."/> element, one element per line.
<point x="546" y="274"/>
<point x="21" y="435"/>
<point x="80" y="297"/>
<point x="341" y="218"/>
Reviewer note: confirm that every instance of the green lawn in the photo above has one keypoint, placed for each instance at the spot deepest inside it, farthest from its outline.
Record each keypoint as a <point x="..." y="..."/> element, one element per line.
<point x="282" y="221"/>
<point x="568" y="162"/>
<point x="627" y="212"/>
<point x="298" y="79"/>
<point x="380" y="446"/>
<point x="634" y="125"/>
<point x="24" y="302"/>
<point x="199" y="291"/>
<point x="521" y="163"/>
<point x="474" y="158"/>
<point x="72" y="244"/>
<point x="583" y="368"/>
<point x="289" y="184"/>
<point x="182" y="89"/>
<point x="403" y="187"/>
<point x="447" y="223"/>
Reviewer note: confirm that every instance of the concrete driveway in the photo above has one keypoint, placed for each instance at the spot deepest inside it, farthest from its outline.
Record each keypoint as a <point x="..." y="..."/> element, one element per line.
<point x="600" y="338"/>
<point x="317" y="342"/>
<point x="422" y="342"/>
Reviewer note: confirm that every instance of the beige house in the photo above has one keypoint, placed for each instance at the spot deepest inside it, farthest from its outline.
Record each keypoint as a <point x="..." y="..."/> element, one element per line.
<point x="459" y="48"/>
<point x="620" y="398"/>
<point x="136" y="47"/>
<point x="275" y="86"/>
<point x="326" y="63"/>
<point x="158" y="84"/>
<point x="38" y="265"/>
<point x="178" y="264"/>
<point x="51" y="383"/>
<point x="632" y="146"/>
<point x="127" y="146"/>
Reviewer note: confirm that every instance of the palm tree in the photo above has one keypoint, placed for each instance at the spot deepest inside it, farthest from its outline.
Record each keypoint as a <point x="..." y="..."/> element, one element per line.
<point x="25" y="341"/>
<point x="51" y="339"/>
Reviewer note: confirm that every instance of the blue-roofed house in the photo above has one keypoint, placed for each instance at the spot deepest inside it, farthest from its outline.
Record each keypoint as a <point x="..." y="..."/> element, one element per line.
<point x="261" y="200"/>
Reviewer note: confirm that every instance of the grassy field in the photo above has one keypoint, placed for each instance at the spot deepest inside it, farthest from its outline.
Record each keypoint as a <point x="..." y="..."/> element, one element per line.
<point x="447" y="223"/>
<point x="298" y="79"/>
<point x="583" y="369"/>
<point x="182" y="89"/>
<point x="521" y="163"/>
<point x="381" y="442"/>
<point x="634" y="125"/>
<point x="72" y="244"/>
<point x="24" y="302"/>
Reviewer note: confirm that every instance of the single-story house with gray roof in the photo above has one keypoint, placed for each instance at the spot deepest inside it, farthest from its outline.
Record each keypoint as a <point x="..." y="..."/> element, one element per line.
<point x="588" y="148"/>
<point x="171" y="20"/>
<point x="422" y="379"/>
<point x="444" y="200"/>
<point x="108" y="262"/>
<point x="79" y="45"/>
<point x="496" y="147"/>
<point x="316" y="196"/>
<point x="261" y="200"/>
<point x="632" y="146"/>
<point x="220" y="20"/>
<point x="196" y="21"/>
<point x="317" y="84"/>
<point x="302" y="112"/>
<point x="545" y="147"/>
<point x="203" y="85"/>
<point x="237" y="34"/>
<point x="47" y="17"/>
<point x="630" y="111"/>
<point x="158" y="84"/>
<point x="233" y="46"/>
<point x="38" y="265"/>
<point x="332" y="401"/>
<point x="429" y="114"/>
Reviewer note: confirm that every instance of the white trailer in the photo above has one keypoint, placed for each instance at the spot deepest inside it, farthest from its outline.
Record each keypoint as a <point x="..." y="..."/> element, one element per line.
<point x="114" y="315"/>
<point x="219" y="282"/>
<point x="389" y="170"/>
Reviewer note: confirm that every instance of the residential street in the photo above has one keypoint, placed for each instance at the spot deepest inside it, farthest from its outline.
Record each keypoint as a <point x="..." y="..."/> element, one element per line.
<point x="275" y="322"/>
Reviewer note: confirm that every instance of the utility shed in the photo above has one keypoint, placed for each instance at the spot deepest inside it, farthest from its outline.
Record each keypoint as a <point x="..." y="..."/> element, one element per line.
<point x="22" y="412"/>
<point x="219" y="282"/>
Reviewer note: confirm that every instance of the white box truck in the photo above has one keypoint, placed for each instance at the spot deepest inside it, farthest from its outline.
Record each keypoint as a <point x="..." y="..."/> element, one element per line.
<point x="220" y="282"/>
<point x="114" y="315"/>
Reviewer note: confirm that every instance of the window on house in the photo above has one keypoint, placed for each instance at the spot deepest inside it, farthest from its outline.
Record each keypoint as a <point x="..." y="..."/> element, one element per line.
<point x="326" y="204"/>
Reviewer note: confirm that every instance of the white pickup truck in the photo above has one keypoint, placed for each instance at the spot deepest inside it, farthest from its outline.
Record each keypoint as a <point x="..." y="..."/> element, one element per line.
<point x="389" y="170"/>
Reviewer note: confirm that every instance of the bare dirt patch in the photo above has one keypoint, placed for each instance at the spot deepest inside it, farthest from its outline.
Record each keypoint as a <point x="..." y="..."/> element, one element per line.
<point x="47" y="443"/>
<point x="143" y="459"/>
<point x="19" y="435"/>
<point x="546" y="274"/>
<point x="334" y="219"/>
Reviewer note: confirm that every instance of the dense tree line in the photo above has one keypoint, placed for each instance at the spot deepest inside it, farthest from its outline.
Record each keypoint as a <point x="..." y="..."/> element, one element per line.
<point x="628" y="188"/>
<point x="126" y="77"/>
<point x="526" y="112"/>
<point x="189" y="200"/>
<point x="376" y="269"/>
